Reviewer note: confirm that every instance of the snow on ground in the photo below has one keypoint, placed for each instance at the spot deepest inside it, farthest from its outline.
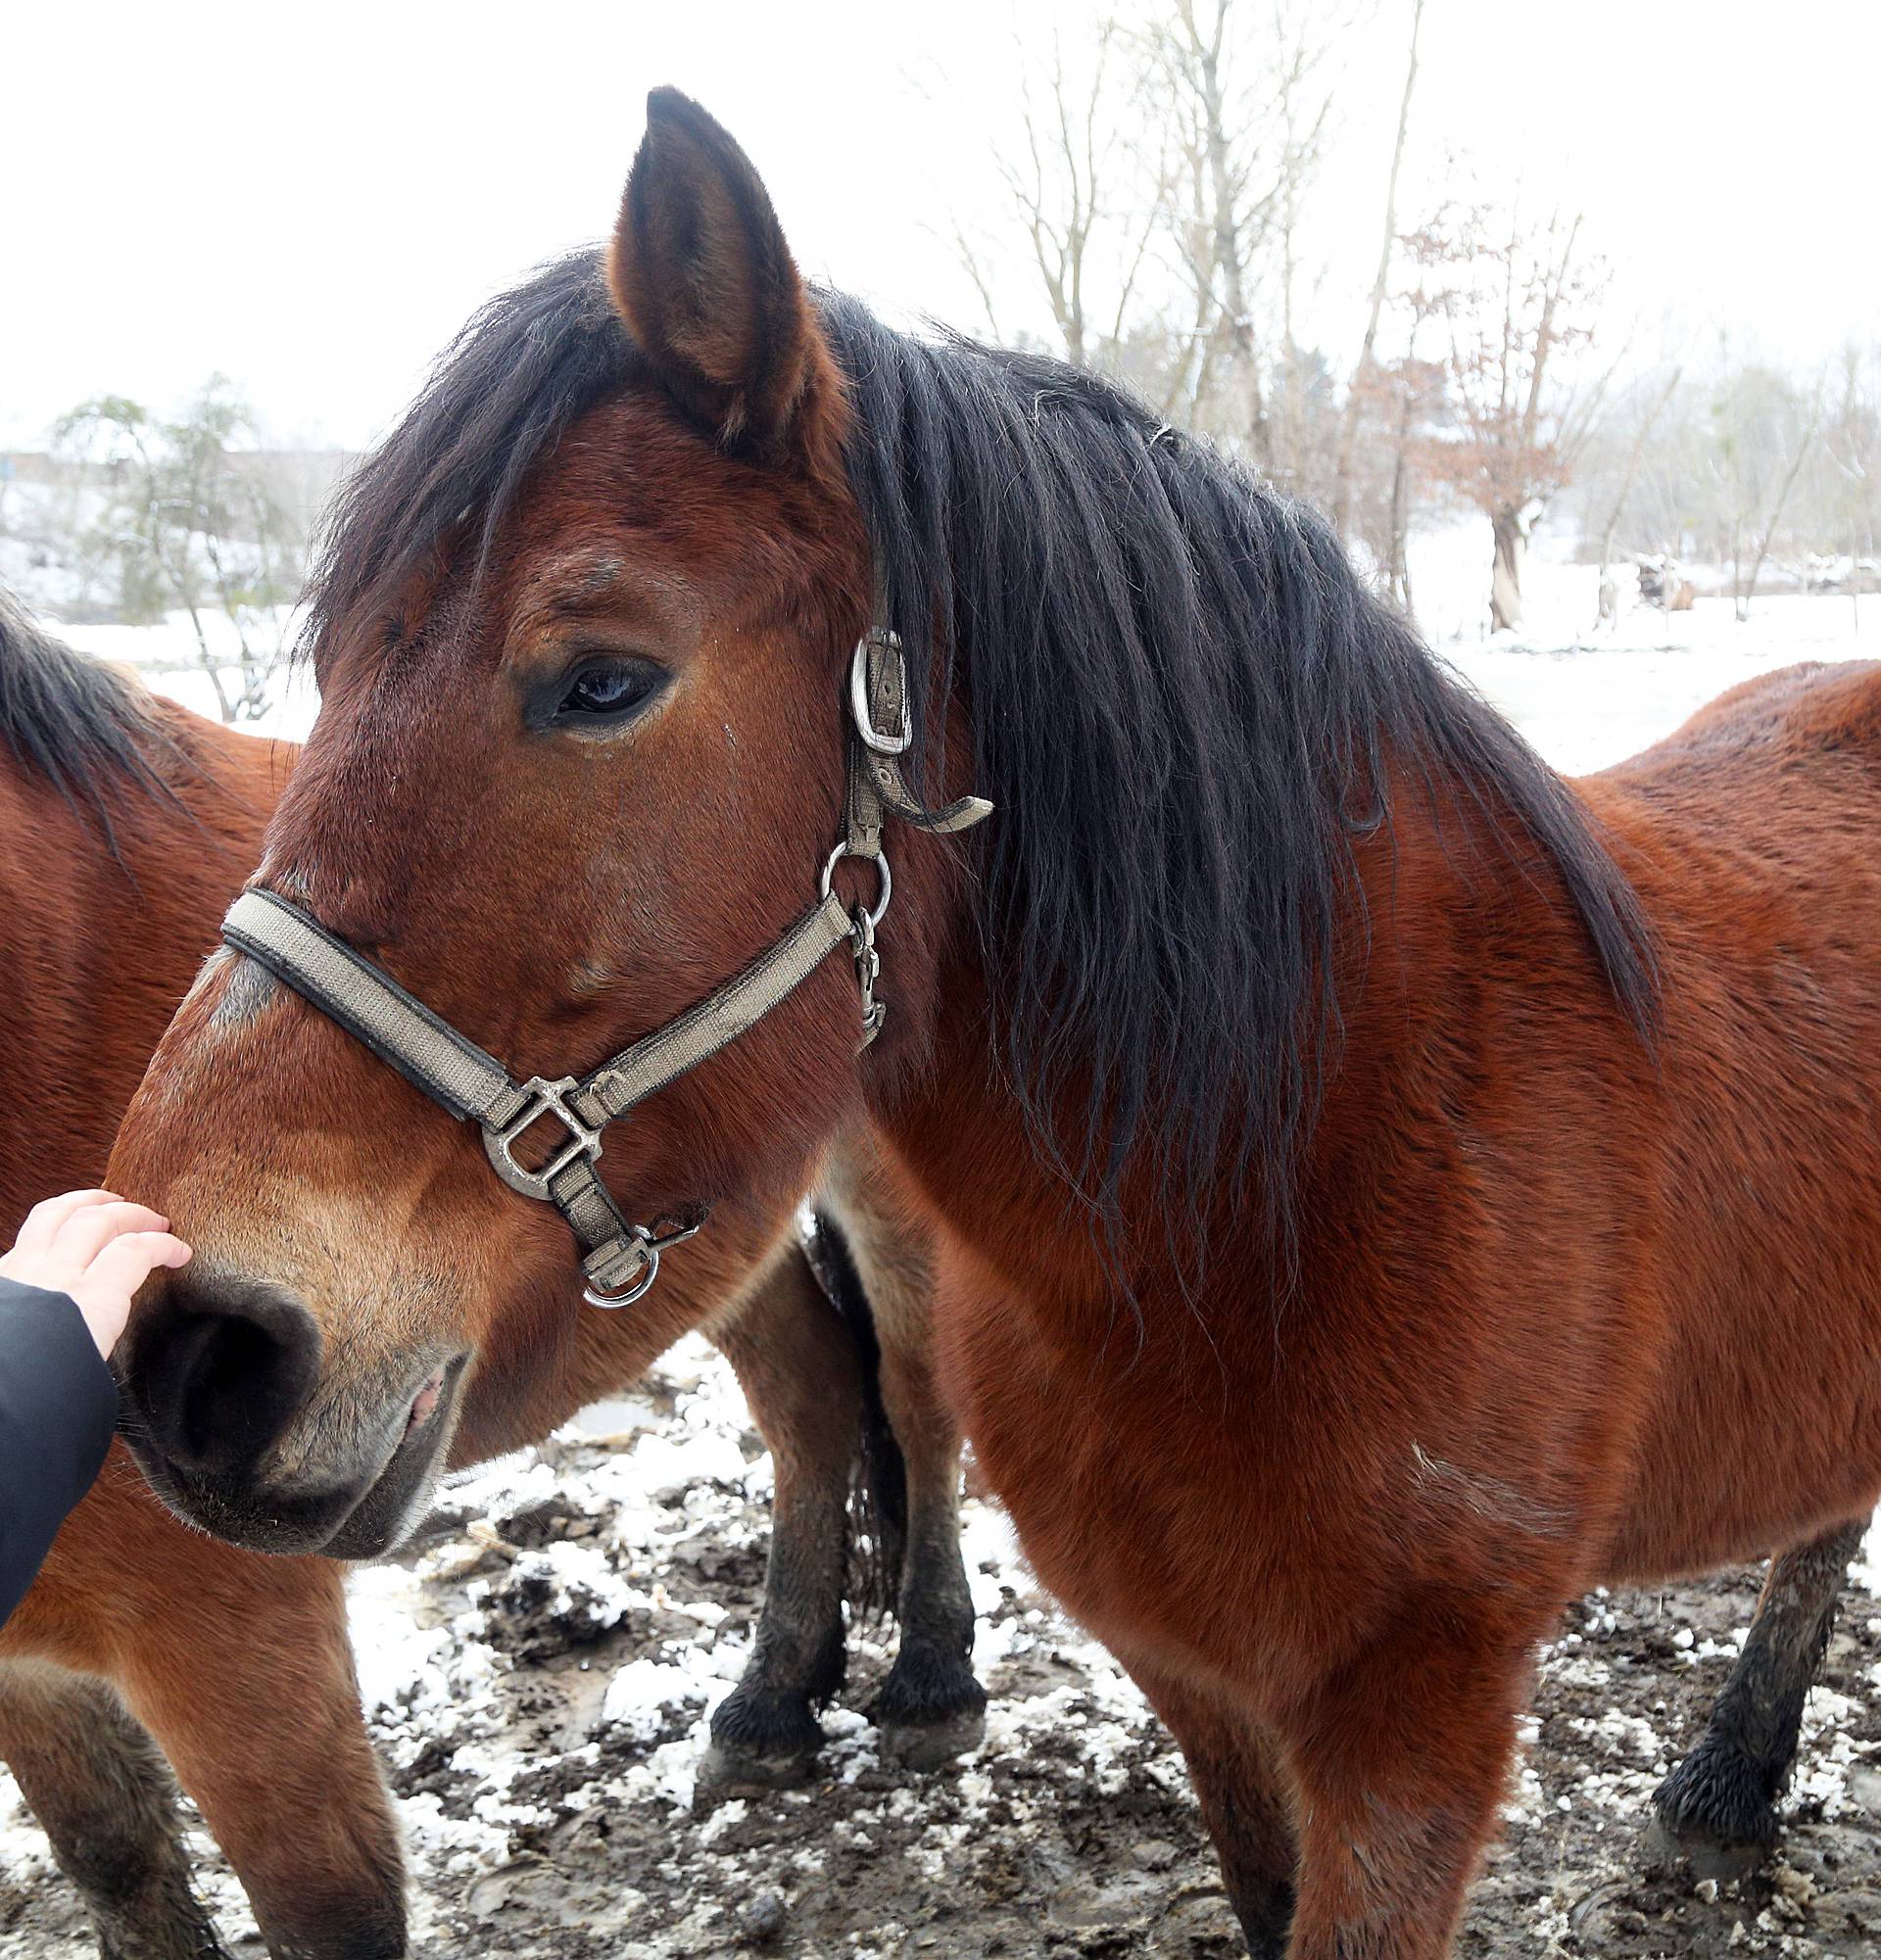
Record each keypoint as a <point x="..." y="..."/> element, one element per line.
<point x="539" y="1670"/>
<point x="168" y="659"/>
<point x="1585" y="697"/>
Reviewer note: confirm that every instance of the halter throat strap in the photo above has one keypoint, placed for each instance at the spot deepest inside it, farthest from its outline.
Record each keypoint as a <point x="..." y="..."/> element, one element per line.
<point x="621" y="1259"/>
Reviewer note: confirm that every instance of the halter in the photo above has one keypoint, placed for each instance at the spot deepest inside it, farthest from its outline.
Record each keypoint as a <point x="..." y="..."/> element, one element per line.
<point x="620" y="1259"/>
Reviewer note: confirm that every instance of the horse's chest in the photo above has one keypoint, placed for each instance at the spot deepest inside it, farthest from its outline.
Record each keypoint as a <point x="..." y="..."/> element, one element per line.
<point x="1142" y="1495"/>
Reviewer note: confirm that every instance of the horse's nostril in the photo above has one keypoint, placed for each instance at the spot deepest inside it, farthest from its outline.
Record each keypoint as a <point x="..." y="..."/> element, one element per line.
<point x="219" y="1369"/>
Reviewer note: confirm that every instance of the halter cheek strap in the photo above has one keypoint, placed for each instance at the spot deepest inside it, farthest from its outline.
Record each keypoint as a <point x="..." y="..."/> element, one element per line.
<point x="619" y="1258"/>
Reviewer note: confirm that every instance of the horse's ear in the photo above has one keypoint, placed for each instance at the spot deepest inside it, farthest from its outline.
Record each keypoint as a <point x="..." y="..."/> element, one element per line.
<point x="707" y="284"/>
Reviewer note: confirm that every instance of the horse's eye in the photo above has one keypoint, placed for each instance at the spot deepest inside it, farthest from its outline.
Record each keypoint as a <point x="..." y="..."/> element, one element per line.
<point x="609" y="691"/>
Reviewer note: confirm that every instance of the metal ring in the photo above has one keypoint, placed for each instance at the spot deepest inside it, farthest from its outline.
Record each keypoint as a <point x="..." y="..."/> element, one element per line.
<point x="881" y="863"/>
<point x="629" y="1294"/>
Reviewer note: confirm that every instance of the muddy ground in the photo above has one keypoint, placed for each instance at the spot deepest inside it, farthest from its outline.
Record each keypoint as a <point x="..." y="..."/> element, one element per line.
<point x="539" y="1666"/>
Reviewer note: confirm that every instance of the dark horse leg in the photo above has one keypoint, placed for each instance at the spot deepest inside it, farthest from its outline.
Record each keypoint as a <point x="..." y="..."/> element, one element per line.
<point x="1719" y="1807"/>
<point x="931" y="1709"/>
<point x="1242" y="1788"/>
<point x="106" y="1800"/>
<point x="802" y="1377"/>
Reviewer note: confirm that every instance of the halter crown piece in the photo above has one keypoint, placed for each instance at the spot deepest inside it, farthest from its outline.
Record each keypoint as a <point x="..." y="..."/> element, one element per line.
<point x="620" y="1259"/>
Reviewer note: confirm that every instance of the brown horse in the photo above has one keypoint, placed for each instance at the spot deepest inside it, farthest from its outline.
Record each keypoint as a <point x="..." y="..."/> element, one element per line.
<point x="125" y="826"/>
<point x="1380" y="1188"/>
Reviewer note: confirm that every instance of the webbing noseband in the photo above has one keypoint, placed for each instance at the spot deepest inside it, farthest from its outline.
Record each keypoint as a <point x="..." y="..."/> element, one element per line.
<point x="619" y="1258"/>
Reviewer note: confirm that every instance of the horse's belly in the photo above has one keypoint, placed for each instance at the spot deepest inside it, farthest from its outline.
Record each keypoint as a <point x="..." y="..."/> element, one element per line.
<point x="1750" y="1453"/>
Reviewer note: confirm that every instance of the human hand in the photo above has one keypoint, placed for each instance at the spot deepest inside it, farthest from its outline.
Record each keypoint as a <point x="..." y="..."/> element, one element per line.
<point x="99" y="1249"/>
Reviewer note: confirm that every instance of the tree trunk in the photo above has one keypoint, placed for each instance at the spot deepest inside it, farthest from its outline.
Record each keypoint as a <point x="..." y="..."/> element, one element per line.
<point x="1511" y="535"/>
<point x="1398" y="570"/>
<point x="1237" y="324"/>
<point x="1355" y="394"/>
<point x="1748" y="592"/>
<point x="1638" y="450"/>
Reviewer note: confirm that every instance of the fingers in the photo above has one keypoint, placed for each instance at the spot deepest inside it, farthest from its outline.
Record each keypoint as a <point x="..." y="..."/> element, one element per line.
<point x="89" y="1229"/>
<point x="102" y="1291"/>
<point x="130" y="1259"/>
<point x="44" y="1221"/>
<point x="99" y="1249"/>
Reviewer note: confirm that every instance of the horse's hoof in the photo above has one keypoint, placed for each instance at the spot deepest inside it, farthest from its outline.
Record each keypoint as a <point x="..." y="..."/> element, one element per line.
<point x="1712" y="1813"/>
<point x="931" y="1709"/>
<point x="761" y="1739"/>
<point x="728" y="1770"/>
<point x="924" y="1745"/>
<point x="1706" y="1857"/>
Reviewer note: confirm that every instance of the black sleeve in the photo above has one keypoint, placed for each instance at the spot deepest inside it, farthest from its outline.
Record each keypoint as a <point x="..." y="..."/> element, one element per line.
<point x="58" y="1407"/>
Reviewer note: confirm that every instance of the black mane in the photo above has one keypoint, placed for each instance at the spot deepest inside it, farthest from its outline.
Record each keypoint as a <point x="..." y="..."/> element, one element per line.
<point x="82" y="725"/>
<point x="1182" y="699"/>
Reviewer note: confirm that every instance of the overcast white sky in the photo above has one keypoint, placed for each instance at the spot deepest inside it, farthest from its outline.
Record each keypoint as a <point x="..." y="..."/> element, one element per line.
<point x="311" y="199"/>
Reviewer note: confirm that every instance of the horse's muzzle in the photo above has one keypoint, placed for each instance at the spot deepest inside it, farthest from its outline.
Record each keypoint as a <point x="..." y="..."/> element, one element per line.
<point x="225" y="1407"/>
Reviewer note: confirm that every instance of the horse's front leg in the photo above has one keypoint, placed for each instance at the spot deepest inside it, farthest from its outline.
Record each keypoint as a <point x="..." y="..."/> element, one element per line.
<point x="801" y="1374"/>
<point x="1400" y="1761"/>
<point x="1719" y="1807"/>
<point x="1246" y="1804"/>
<point x="931" y="1707"/>
<point x="106" y="1800"/>
<point x="238" y="1665"/>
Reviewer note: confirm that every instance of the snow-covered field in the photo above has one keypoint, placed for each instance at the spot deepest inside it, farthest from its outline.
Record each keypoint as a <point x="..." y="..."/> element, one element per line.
<point x="539" y="1672"/>
<point x="1585" y="698"/>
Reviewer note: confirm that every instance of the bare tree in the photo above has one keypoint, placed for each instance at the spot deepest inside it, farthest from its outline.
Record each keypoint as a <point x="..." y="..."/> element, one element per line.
<point x="1745" y="591"/>
<point x="1162" y="176"/>
<point x="1659" y="401"/>
<point x="1852" y="441"/>
<point x="1160" y="181"/>
<point x="1248" y="155"/>
<point x="1215" y="224"/>
<point x="1301" y="109"/>
<point x="1085" y="196"/>
<point x="1355" y="394"/>
<point x="193" y="526"/>
<point x="1520" y="305"/>
<point x="1416" y="388"/>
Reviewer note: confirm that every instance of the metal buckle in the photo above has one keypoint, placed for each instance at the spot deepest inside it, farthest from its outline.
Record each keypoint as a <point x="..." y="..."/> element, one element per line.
<point x="545" y="1098"/>
<point x="872" y="736"/>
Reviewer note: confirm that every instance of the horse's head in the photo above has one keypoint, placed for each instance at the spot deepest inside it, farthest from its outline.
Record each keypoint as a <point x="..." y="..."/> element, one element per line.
<point x="582" y="644"/>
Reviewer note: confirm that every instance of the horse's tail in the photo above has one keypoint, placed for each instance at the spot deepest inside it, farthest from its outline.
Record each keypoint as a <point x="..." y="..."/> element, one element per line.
<point x="879" y="1478"/>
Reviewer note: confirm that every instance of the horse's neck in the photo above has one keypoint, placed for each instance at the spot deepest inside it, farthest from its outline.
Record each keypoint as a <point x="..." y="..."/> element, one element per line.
<point x="1447" y="935"/>
<point x="230" y="779"/>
